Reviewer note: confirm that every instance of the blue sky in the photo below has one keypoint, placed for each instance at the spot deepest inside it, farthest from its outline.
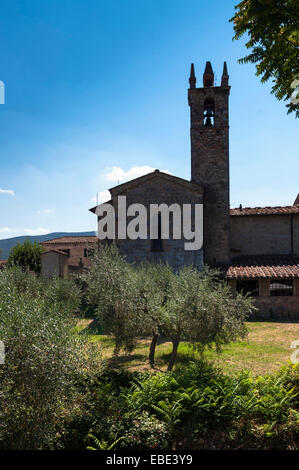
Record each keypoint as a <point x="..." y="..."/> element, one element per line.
<point x="97" y="90"/>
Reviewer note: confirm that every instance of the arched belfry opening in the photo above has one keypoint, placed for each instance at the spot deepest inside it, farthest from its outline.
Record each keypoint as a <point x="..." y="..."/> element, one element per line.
<point x="209" y="112"/>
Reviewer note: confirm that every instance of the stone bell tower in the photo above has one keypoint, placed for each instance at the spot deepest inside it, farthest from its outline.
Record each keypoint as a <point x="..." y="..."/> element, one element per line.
<point x="210" y="159"/>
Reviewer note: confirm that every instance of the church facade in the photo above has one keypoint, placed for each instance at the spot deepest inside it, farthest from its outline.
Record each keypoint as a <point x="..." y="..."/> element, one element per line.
<point x="257" y="249"/>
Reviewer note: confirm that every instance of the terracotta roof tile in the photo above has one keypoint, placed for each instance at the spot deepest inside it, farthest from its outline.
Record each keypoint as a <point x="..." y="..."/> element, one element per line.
<point x="65" y="240"/>
<point x="3" y="262"/>
<point x="55" y="251"/>
<point x="279" y="210"/>
<point x="263" y="266"/>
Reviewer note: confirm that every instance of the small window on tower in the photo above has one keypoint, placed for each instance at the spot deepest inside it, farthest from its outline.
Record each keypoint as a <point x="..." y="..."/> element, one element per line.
<point x="209" y="112"/>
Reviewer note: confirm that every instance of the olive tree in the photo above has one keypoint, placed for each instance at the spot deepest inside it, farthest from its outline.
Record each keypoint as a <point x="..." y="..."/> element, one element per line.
<point x="43" y="361"/>
<point x="155" y="281"/>
<point x="113" y="288"/>
<point x="137" y="301"/>
<point x="201" y="309"/>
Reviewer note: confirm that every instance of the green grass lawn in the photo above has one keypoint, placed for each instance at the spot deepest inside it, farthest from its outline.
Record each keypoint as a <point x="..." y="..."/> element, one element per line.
<point x="266" y="349"/>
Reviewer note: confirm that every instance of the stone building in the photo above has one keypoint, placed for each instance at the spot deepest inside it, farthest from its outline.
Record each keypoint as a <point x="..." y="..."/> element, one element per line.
<point x="156" y="188"/>
<point x="74" y="254"/>
<point x="265" y="257"/>
<point x="53" y="263"/>
<point x="257" y="249"/>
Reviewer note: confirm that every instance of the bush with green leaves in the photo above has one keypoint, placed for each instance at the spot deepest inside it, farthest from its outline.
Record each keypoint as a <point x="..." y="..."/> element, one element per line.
<point x="137" y="431"/>
<point x="191" y="404"/>
<point x="203" y="394"/>
<point x="26" y="255"/>
<point x="43" y="360"/>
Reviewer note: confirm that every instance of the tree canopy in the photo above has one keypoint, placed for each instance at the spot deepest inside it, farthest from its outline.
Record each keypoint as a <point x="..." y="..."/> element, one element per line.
<point x="26" y="255"/>
<point x="272" y="27"/>
<point x="133" y="302"/>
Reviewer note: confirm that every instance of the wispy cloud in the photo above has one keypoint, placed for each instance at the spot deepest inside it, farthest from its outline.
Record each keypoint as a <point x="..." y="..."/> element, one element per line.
<point x="37" y="231"/>
<point x="6" y="229"/>
<point x="46" y="211"/>
<point x="14" y="232"/>
<point x="7" y="191"/>
<point x="118" y="174"/>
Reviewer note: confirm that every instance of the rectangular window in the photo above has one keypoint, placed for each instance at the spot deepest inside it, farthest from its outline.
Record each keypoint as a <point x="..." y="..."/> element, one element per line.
<point x="250" y="287"/>
<point x="88" y="252"/>
<point x="281" y="287"/>
<point x="67" y="251"/>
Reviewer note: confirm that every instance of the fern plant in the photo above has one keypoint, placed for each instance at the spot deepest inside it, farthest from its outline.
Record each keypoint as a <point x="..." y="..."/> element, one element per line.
<point x="102" y="445"/>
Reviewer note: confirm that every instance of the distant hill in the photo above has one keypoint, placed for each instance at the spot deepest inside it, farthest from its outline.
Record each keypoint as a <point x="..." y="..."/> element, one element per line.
<point x="7" y="243"/>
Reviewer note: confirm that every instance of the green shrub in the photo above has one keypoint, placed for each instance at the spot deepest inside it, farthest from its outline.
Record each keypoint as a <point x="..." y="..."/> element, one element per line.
<point x="204" y="396"/>
<point x="139" y="431"/>
<point x="26" y="255"/>
<point x="198" y="402"/>
<point x="43" y="361"/>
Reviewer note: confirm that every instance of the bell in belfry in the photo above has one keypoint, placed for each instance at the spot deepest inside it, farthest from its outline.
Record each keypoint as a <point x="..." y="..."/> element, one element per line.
<point x="208" y="117"/>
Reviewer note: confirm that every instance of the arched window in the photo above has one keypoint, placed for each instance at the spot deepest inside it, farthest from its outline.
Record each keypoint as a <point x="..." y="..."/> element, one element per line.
<point x="209" y="112"/>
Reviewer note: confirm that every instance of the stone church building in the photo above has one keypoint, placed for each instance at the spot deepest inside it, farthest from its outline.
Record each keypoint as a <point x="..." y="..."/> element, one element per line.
<point x="257" y="249"/>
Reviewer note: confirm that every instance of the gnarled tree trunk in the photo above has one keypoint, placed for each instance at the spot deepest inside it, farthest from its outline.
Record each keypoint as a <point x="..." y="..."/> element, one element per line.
<point x="153" y="350"/>
<point x="175" y="345"/>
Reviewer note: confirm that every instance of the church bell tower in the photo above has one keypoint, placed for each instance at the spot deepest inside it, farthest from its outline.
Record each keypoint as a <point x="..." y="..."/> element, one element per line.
<point x="210" y="160"/>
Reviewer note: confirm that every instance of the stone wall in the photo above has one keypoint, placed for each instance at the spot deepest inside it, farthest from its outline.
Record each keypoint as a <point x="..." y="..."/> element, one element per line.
<point x="76" y="257"/>
<point x="277" y="308"/>
<point x="53" y="264"/>
<point x="296" y="234"/>
<point x="264" y="234"/>
<point x="157" y="191"/>
<point x="272" y="307"/>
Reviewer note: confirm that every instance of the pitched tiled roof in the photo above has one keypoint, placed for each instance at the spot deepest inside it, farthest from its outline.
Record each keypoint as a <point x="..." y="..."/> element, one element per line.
<point x="263" y="266"/>
<point x="3" y="262"/>
<point x="55" y="251"/>
<point x="66" y="240"/>
<point x="279" y="210"/>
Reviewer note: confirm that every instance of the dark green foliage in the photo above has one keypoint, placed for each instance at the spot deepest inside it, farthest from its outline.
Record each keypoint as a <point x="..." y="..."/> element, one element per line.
<point x="205" y="395"/>
<point x="184" y="407"/>
<point x="26" y="255"/>
<point x="272" y="27"/>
